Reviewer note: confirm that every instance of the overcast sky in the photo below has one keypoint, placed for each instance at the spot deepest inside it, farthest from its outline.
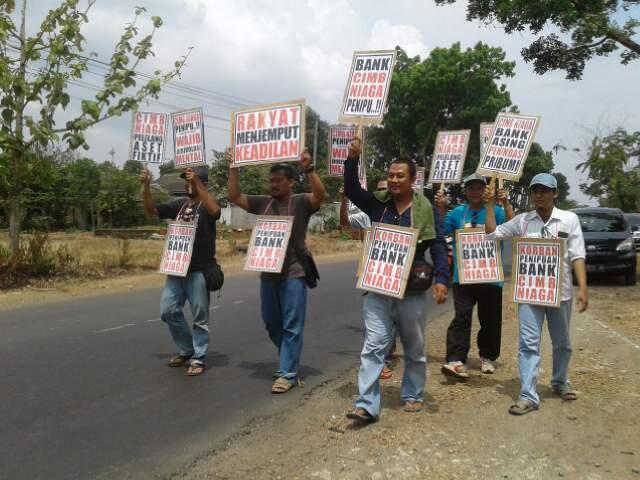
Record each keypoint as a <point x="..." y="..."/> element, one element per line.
<point x="262" y="51"/>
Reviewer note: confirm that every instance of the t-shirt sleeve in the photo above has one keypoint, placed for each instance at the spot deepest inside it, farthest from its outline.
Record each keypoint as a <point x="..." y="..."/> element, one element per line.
<point x="450" y="221"/>
<point x="257" y="204"/>
<point x="169" y="210"/>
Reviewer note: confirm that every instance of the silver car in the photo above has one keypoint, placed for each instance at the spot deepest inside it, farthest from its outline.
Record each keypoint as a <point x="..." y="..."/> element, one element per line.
<point x="633" y="219"/>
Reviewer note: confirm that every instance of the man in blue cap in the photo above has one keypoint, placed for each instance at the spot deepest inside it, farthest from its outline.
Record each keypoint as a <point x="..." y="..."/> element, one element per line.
<point x="202" y="209"/>
<point x="546" y="221"/>
<point x="487" y="296"/>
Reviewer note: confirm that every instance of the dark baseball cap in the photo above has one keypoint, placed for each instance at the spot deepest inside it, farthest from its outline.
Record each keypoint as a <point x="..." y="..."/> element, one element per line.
<point x="202" y="172"/>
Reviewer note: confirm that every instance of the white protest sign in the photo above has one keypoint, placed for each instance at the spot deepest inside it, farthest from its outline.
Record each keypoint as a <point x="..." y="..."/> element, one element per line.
<point x="388" y="259"/>
<point x="449" y="155"/>
<point x="188" y="138"/>
<point x="340" y="137"/>
<point x="479" y="259"/>
<point x="268" y="244"/>
<point x="365" y="96"/>
<point x="148" y="137"/>
<point x="418" y="184"/>
<point x="178" y="247"/>
<point x="270" y="133"/>
<point x="508" y="147"/>
<point x="537" y="271"/>
<point x="485" y="134"/>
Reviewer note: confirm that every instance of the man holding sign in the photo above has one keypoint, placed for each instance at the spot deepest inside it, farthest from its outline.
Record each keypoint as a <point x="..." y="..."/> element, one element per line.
<point x="546" y="221"/>
<point x="284" y="295"/>
<point x="398" y="206"/>
<point x="488" y="296"/>
<point x="200" y="210"/>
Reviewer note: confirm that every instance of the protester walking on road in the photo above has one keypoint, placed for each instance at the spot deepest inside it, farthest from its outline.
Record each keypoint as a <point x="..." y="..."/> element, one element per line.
<point x="546" y="221"/>
<point x="399" y="205"/>
<point x="487" y="296"/>
<point x="283" y="295"/>
<point x="201" y="209"/>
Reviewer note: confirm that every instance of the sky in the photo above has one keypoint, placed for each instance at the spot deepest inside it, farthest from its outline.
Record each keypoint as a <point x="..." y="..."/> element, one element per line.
<point x="261" y="51"/>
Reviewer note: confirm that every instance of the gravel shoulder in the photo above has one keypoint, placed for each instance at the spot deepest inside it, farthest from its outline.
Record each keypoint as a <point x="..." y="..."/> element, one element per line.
<point x="465" y="431"/>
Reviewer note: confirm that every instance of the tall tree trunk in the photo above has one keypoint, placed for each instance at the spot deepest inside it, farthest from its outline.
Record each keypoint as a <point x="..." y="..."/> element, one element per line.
<point x="15" y="222"/>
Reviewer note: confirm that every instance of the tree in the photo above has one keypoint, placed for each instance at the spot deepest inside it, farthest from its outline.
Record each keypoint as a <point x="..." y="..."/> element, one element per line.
<point x="82" y="185"/>
<point x="613" y="168"/>
<point x="593" y="26"/>
<point x="118" y="196"/>
<point x="450" y="89"/>
<point x="34" y="74"/>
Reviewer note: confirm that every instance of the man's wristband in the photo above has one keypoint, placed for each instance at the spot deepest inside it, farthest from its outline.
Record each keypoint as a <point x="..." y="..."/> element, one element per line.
<point x="309" y="170"/>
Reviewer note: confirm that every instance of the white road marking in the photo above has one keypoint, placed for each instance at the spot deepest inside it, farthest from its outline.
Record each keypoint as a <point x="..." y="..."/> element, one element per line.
<point x="153" y="320"/>
<point x="619" y="335"/>
<point x="119" y="327"/>
<point x="215" y="307"/>
<point x="238" y="302"/>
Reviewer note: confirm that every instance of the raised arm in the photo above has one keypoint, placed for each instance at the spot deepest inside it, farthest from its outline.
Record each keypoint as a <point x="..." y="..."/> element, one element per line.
<point x="503" y="198"/>
<point x="344" y="215"/>
<point x="145" y="180"/>
<point x="235" y="195"/>
<point x="318" y="192"/>
<point x="208" y="201"/>
<point x="352" y="188"/>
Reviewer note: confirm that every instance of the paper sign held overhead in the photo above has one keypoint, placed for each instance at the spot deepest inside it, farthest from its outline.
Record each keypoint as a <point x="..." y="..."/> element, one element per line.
<point x="449" y="155"/>
<point x="148" y="137"/>
<point x="188" y="138"/>
<point x="365" y="96"/>
<point x="270" y="133"/>
<point x="340" y="137"/>
<point x="508" y="147"/>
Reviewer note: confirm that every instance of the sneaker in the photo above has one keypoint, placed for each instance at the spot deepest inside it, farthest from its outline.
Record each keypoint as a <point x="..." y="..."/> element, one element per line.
<point x="455" y="369"/>
<point x="487" y="366"/>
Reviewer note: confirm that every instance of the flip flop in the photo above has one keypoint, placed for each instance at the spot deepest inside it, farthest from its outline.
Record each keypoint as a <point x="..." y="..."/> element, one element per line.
<point x="178" y="360"/>
<point x="282" y="385"/>
<point x="195" y="369"/>
<point x="565" y="392"/>
<point x="386" y="374"/>
<point x="522" y="407"/>
<point x="361" y="415"/>
<point x="412" y="406"/>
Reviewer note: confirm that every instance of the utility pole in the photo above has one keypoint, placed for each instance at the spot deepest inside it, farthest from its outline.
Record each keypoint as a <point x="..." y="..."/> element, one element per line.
<point x="112" y="152"/>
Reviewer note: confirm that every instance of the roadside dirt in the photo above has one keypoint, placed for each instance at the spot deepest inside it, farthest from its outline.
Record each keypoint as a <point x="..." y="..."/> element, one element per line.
<point x="465" y="431"/>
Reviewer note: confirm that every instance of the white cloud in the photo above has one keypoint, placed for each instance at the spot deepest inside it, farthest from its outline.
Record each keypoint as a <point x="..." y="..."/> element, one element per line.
<point x="385" y="36"/>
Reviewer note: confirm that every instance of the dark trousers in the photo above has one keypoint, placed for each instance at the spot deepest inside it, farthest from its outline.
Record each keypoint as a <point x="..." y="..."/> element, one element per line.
<point x="489" y="300"/>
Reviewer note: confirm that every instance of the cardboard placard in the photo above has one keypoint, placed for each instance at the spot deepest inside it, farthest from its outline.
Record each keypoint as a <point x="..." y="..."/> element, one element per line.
<point x="418" y="185"/>
<point x="148" y="137"/>
<point x="365" y="97"/>
<point x="272" y="133"/>
<point x="448" y="156"/>
<point x="479" y="260"/>
<point x="537" y="271"/>
<point x="485" y="135"/>
<point x="388" y="259"/>
<point x="178" y="247"/>
<point x="340" y="137"/>
<point x="508" y="147"/>
<point x="188" y="138"/>
<point x="268" y="244"/>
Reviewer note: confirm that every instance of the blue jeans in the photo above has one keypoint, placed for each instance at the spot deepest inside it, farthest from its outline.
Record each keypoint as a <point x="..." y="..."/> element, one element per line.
<point x="531" y="318"/>
<point x="177" y="290"/>
<point x="284" y="308"/>
<point x="380" y="314"/>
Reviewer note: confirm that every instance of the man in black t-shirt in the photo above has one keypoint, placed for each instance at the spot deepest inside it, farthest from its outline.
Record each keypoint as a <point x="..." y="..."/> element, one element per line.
<point x="202" y="209"/>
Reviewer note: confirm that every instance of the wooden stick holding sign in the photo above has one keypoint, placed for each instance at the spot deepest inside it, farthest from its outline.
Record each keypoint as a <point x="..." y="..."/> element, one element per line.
<point x="178" y="248"/>
<point x="268" y="244"/>
<point x="388" y="259"/>
<point x="537" y="271"/>
<point x="479" y="259"/>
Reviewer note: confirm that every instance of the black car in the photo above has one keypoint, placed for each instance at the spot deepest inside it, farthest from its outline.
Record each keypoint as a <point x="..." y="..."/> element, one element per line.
<point x="633" y="219"/>
<point x="609" y="242"/>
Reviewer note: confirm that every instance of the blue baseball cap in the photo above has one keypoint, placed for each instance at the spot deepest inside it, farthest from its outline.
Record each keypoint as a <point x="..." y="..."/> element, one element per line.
<point x="544" y="179"/>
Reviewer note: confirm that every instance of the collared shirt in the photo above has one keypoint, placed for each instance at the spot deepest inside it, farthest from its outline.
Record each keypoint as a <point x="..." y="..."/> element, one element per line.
<point x="561" y="224"/>
<point x="463" y="216"/>
<point x="378" y="211"/>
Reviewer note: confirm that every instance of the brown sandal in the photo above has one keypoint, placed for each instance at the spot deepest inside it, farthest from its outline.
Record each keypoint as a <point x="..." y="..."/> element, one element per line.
<point x="412" y="406"/>
<point x="178" y="360"/>
<point x="282" y="385"/>
<point x="195" y="369"/>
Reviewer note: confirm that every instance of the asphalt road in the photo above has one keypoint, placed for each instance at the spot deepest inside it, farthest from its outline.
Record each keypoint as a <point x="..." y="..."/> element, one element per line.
<point x="85" y="392"/>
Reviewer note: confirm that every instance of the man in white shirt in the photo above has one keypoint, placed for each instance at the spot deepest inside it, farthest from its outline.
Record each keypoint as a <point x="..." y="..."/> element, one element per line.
<point x="546" y="221"/>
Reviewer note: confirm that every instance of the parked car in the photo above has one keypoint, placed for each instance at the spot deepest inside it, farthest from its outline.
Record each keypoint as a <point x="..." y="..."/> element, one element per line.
<point x="633" y="219"/>
<point x="609" y="242"/>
